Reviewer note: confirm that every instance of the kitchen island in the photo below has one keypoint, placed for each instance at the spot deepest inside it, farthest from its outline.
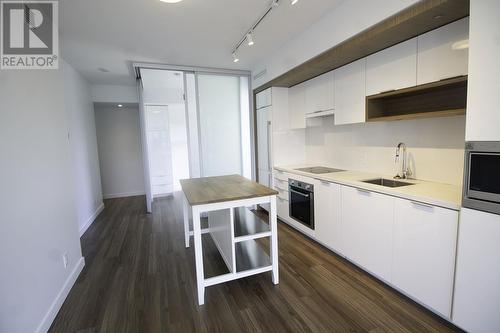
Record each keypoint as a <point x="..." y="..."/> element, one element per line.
<point x="233" y="228"/>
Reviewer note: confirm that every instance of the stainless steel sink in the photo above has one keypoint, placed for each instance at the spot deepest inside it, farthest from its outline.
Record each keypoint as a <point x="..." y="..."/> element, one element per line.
<point x="386" y="182"/>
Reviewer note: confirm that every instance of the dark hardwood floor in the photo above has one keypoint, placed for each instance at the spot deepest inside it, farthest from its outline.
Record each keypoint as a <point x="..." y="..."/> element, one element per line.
<point x="139" y="277"/>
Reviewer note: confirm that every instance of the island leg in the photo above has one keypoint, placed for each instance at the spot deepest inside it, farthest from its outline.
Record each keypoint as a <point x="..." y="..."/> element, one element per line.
<point x="185" y="211"/>
<point x="198" y="255"/>
<point x="274" y="239"/>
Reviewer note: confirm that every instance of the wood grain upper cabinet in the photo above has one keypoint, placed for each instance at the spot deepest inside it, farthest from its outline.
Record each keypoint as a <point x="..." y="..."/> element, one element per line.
<point x="320" y="93"/>
<point x="263" y="99"/>
<point x="393" y="68"/>
<point x="424" y="253"/>
<point x="367" y="230"/>
<point x="443" y="52"/>
<point x="350" y="93"/>
<point x="327" y="202"/>
<point x="297" y="106"/>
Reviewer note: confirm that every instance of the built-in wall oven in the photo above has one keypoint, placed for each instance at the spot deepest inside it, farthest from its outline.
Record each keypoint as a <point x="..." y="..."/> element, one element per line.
<point x="482" y="176"/>
<point x="301" y="201"/>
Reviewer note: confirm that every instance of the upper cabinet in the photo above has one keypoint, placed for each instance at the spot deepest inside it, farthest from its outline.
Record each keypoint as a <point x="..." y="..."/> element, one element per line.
<point x="393" y="68"/>
<point x="443" y="53"/>
<point x="280" y="119"/>
<point x="297" y="106"/>
<point x="263" y="99"/>
<point x="320" y="93"/>
<point x="350" y="93"/>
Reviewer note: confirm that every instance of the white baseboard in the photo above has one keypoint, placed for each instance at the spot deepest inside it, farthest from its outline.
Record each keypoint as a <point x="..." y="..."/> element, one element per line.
<point x="91" y="219"/>
<point x="61" y="296"/>
<point x="123" y="195"/>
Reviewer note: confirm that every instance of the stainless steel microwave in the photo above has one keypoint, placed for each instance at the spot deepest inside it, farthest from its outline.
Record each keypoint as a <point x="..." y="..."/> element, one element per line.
<point x="482" y="176"/>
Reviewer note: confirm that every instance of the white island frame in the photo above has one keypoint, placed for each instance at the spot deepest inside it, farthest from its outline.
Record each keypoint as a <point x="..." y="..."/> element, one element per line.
<point x="221" y="218"/>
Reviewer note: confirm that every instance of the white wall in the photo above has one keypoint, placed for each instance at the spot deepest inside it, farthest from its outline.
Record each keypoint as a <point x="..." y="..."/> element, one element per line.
<point x="483" y="98"/>
<point x="106" y="93"/>
<point x="83" y="142"/>
<point x="120" y="156"/>
<point x="435" y="147"/>
<point x="344" y="21"/>
<point x="37" y="201"/>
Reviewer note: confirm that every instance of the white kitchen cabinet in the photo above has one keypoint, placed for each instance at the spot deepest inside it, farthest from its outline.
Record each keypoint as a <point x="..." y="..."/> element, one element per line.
<point x="443" y="53"/>
<point x="393" y="68"/>
<point x="320" y="93"/>
<point x="367" y="230"/>
<point x="327" y="202"/>
<point x="282" y="208"/>
<point x="297" y="106"/>
<point x="424" y="253"/>
<point x="482" y="117"/>
<point x="350" y="93"/>
<point x="280" y="118"/>
<point x="263" y="98"/>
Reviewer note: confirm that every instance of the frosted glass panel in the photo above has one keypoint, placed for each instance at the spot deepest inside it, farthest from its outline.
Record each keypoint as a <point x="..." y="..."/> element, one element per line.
<point x="220" y="124"/>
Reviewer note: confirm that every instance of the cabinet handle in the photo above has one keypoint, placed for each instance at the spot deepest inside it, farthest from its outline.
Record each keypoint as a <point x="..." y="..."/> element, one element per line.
<point x="364" y="191"/>
<point x="324" y="182"/>
<point x="422" y="205"/>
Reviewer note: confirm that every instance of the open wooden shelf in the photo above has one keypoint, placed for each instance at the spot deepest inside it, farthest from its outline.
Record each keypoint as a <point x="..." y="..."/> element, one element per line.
<point x="249" y="226"/>
<point x="250" y="255"/>
<point x="437" y="99"/>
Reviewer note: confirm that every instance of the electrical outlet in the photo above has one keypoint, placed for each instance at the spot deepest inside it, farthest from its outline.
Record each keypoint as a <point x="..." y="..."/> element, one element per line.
<point x="65" y="259"/>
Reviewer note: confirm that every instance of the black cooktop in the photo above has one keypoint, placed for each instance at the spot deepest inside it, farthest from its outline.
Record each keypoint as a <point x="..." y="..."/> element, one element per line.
<point x="318" y="170"/>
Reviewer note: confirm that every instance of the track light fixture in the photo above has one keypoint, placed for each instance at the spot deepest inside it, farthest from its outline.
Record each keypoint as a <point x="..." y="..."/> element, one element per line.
<point x="250" y="39"/>
<point x="248" y="36"/>
<point x="235" y="57"/>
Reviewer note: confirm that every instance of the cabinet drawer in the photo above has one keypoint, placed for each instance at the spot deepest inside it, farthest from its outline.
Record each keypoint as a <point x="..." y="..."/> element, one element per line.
<point x="281" y="186"/>
<point x="281" y="177"/>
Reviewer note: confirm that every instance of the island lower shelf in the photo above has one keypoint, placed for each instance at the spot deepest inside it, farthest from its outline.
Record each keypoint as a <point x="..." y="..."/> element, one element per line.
<point x="234" y="232"/>
<point x="250" y="255"/>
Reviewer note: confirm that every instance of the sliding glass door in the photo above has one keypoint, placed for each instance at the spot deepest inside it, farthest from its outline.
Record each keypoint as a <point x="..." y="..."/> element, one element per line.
<point x="220" y="124"/>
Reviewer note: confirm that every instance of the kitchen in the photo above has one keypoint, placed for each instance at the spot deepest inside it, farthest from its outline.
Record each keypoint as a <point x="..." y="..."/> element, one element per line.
<point x="290" y="166"/>
<point x="379" y="181"/>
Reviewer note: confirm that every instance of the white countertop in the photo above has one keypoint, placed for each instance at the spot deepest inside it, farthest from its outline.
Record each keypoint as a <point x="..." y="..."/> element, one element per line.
<point x="437" y="194"/>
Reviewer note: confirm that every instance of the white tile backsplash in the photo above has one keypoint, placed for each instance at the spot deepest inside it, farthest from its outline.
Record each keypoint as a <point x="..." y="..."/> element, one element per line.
<point x="435" y="147"/>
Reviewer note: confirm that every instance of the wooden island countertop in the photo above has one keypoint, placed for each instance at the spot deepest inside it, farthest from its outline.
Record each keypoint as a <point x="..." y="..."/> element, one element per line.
<point x="201" y="191"/>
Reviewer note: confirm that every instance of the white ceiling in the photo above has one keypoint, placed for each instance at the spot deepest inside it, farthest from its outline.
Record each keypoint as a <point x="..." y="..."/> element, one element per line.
<point x="111" y="34"/>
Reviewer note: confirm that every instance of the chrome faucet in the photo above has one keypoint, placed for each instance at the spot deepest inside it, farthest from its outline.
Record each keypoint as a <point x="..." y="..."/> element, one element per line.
<point x="405" y="171"/>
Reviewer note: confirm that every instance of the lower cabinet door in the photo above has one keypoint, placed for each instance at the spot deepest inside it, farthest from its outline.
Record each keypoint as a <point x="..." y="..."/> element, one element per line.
<point x="327" y="203"/>
<point x="367" y="230"/>
<point x="282" y="207"/>
<point x="424" y="253"/>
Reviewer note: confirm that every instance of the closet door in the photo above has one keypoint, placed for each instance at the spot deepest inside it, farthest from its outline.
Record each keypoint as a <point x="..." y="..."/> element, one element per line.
<point x="159" y="149"/>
